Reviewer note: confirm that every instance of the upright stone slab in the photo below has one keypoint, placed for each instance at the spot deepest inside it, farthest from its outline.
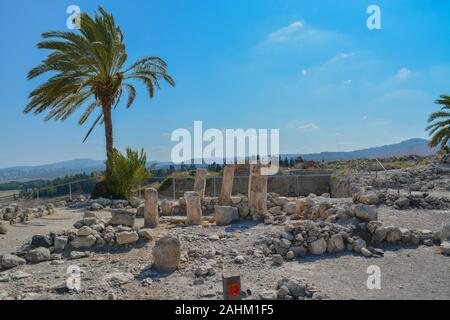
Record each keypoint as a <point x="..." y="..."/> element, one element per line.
<point x="200" y="182"/>
<point x="257" y="192"/>
<point x="227" y="185"/>
<point x="193" y="207"/>
<point x="151" y="215"/>
<point x="166" y="254"/>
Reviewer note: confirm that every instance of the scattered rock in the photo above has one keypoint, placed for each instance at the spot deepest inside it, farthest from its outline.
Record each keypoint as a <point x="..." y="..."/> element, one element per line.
<point x="8" y="261"/>
<point x="38" y="255"/>
<point x="365" y="212"/>
<point x="83" y="242"/>
<point x="166" y="254"/>
<point x="146" y="234"/>
<point x="41" y="241"/>
<point x="119" y="278"/>
<point x="225" y="215"/>
<point x="126" y="237"/>
<point x="318" y="247"/>
<point x="239" y="260"/>
<point x="122" y="217"/>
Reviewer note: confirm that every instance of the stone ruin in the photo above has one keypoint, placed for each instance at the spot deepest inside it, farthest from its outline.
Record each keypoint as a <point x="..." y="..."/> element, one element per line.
<point x="314" y="225"/>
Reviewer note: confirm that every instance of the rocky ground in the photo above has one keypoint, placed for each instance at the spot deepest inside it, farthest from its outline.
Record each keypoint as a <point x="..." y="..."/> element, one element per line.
<point x="407" y="272"/>
<point x="313" y="247"/>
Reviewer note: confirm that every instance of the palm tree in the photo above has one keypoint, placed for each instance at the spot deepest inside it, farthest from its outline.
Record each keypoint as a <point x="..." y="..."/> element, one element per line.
<point x="88" y="69"/>
<point x="440" y="130"/>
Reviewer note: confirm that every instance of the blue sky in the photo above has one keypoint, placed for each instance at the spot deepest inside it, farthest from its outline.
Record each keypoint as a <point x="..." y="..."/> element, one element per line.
<point x="310" y="68"/>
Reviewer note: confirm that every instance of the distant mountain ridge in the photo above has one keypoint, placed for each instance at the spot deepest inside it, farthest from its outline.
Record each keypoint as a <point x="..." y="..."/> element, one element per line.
<point x="50" y="171"/>
<point x="415" y="146"/>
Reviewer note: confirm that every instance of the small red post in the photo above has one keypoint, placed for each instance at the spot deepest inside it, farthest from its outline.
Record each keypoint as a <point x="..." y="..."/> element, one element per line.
<point x="231" y="287"/>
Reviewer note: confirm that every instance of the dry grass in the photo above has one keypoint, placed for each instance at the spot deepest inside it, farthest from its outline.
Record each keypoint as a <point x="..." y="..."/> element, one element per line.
<point x="8" y="193"/>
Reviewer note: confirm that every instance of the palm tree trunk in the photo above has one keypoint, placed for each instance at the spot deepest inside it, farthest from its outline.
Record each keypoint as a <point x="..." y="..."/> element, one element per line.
<point x="107" y="119"/>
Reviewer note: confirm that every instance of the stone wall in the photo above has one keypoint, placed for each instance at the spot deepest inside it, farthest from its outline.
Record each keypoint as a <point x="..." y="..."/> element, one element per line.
<point x="285" y="185"/>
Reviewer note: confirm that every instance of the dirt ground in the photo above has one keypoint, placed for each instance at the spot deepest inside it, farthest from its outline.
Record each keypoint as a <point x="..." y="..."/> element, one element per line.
<point x="124" y="273"/>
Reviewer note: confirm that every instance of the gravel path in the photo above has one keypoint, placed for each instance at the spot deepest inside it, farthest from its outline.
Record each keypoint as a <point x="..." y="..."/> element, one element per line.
<point x="414" y="218"/>
<point x="21" y="233"/>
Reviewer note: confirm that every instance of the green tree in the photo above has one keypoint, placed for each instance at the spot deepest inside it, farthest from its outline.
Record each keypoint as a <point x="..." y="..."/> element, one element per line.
<point x="88" y="68"/>
<point x="439" y="128"/>
<point x="128" y="171"/>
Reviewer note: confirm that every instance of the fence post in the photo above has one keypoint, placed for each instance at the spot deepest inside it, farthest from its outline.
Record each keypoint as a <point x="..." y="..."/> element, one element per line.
<point x="37" y="194"/>
<point x="70" y="191"/>
<point x="214" y="188"/>
<point x="174" y="192"/>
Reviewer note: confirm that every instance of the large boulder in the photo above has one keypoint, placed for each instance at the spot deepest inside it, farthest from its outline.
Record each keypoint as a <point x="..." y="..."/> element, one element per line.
<point x="369" y="198"/>
<point x="290" y="207"/>
<point x="335" y="244"/>
<point x="243" y="209"/>
<point x="60" y="243"/>
<point x="126" y="237"/>
<point x="380" y="234"/>
<point x="365" y="212"/>
<point x="83" y="242"/>
<point x="317" y="247"/>
<point x="443" y="234"/>
<point x="281" y="201"/>
<point x="166" y="254"/>
<point x="402" y="202"/>
<point x="445" y="248"/>
<point x="3" y="228"/>
<point x="41" y="241"/>
<point x="393" y="234"/>
<point x="166" y="207"/>
<point x="225" y="215"/>
<point x="86" y="231"/>
<point x="8" y="261"/>
<point x="122" y="217"/>
<point x="38" y="255"/>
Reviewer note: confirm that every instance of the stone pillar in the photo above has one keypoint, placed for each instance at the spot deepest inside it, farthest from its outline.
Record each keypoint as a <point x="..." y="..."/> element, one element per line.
<point x="227" y="185"/>
<point x="193" y="207"/>
<point x="200" y="182"/>
<point x="151" y="214"/>
<point x="257" y="192"/>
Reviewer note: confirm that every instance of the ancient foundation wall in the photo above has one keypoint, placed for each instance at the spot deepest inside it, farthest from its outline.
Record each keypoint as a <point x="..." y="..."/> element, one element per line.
<point x="285" y="185"/>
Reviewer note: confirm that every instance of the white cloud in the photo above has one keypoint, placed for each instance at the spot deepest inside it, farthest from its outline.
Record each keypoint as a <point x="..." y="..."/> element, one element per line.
<point x="304" y="72"/>
<point x="283" y="34"/>
<point x="308" y="127"/>
<point x="343" y="56"/>
<point x="299" y="33"/>
<point x="347" y="82"/>
<point x="403" y="73"/>
<point x="364" y="118"/>
<point x="302" y="126"/>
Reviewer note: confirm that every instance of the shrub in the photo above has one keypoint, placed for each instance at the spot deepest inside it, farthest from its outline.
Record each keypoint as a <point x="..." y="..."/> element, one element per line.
<point x="165" y="184"/>
<point x="128" y="171"/>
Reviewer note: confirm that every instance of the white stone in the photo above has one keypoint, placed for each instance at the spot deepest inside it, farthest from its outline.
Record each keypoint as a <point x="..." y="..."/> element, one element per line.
<point x="225" y="215"/>
<point x="126" y="237"/>
<point x="166" y="254"/>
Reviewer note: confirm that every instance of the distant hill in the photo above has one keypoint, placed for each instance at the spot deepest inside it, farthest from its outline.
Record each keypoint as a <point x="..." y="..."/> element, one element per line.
<point x="413" y="146"/>
<point x="51" y="171"/>
<point x="417" y="147"/>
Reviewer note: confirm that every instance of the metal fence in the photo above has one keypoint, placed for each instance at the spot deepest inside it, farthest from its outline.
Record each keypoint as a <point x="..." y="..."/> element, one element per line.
<point x="285" y="185"/>
<point x="70" y="189"/>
